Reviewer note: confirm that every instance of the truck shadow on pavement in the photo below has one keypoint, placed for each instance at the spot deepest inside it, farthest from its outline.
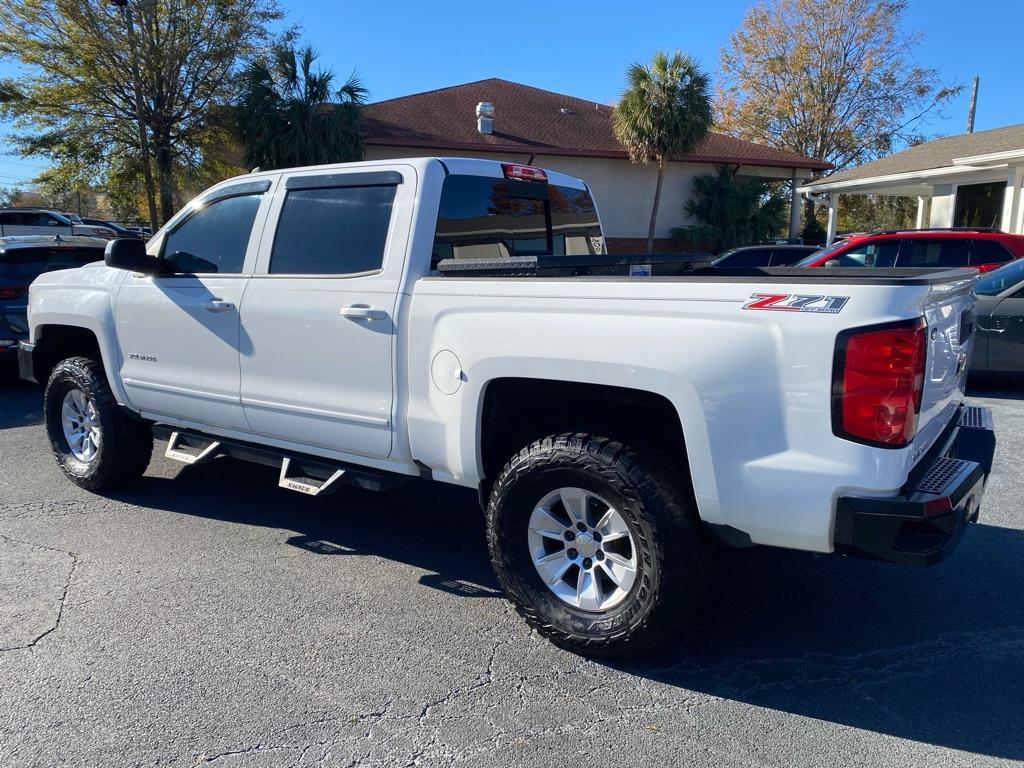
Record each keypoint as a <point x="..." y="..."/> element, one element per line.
<point x="932" y="655"/>
<point x="22" y="404"/>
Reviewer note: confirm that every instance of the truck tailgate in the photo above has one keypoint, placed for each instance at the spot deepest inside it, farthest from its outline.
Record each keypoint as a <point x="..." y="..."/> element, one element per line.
<point x="949" y="312"/>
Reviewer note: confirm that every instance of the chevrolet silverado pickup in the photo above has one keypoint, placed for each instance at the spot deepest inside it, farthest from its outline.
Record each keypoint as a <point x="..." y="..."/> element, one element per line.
<point x="460" y="320"/>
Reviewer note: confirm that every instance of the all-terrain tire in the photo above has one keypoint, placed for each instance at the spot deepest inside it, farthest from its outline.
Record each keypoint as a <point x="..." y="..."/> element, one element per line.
<point x="126" y="444"/>
<point x="673" y="559"/>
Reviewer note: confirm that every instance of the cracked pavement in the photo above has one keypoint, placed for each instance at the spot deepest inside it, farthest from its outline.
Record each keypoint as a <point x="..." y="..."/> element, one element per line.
<point x="206" y="617"/>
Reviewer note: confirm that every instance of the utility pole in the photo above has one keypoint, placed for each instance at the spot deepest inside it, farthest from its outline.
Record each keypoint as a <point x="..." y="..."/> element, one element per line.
<point x="974" y="104"/>
<point x="147" y="170"/>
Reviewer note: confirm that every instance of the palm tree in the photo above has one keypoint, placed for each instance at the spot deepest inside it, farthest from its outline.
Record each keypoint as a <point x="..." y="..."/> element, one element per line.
<point x="664" y="113"/>
<point x="729" y="210"/>
<point x="288" y="115"/>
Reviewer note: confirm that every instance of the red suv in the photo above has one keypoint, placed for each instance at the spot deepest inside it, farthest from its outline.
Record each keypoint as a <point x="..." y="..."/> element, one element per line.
<point x="983" y="249"/>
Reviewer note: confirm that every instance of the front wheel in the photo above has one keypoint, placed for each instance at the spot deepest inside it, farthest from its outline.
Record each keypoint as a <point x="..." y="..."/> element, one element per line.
<point x="596" y="546"/>
<point x="95" y="443"/>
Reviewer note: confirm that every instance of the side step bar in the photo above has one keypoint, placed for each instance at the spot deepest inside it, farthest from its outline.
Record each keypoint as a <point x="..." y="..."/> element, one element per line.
<point x="311" y="475"/>
<point x="305" y="484"/>
<point x="177" y="441"/>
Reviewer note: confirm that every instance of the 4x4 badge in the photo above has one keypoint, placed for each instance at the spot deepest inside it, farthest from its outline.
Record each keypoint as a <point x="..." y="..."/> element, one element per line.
<point x="792" y="302"/>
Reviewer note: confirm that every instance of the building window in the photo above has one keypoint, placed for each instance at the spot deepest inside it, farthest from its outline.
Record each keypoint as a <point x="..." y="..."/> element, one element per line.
<point x="979" y="205"/>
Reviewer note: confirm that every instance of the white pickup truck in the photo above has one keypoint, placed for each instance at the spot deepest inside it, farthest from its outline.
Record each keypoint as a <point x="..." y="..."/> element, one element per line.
<point x="459" y="320"/>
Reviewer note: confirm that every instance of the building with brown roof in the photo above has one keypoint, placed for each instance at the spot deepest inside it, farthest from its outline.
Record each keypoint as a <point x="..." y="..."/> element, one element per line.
<point x="967" y="180"/>
<point x="566" y="134"/>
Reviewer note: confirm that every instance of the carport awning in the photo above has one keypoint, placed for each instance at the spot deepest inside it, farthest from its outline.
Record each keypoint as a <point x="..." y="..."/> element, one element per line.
<point x="911" y="184"/>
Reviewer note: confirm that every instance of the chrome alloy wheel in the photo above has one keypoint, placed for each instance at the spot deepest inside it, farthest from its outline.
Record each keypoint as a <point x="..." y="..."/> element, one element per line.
<point x="81" y="425"/>
<point x="582" y="549"/>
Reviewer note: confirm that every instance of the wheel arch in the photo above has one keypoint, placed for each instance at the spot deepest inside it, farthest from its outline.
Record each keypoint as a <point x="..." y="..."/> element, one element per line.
<point x="515" y="411"/>
<point x="56" y="341"/>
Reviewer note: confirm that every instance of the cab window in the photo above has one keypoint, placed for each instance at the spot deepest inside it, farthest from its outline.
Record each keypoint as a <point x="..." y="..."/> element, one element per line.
<point x="214" y="238"/>
<point x="483" y="217"/>
<point x="746" y="257"/>
<point x="333" y="231"/>
<point x="935" y="252"/>
<point x="990" y="252"/>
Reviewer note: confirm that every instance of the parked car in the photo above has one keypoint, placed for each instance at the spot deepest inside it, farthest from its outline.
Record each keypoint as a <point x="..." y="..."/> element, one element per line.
<point x="36" y="221"/>
<point x="999" y="349"/>
<point x="376" y="322"/>
<point x="765" y="256"/>
<point x="22" y="260"/>
<point x="983" y="249"/>
<point x="118" y="229"/>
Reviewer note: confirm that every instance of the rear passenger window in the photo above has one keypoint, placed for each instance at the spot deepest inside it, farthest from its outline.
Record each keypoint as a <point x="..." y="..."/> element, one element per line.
<point x="990" y="252"/>
<point x="933" y="252"/>
<point x="214" y="238"/>
<point x="752" y="257"/>
<point x="336" y="231"/>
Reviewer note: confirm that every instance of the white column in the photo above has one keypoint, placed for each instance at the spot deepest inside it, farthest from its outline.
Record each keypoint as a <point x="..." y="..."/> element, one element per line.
<point x="1010" y="220"/>
<point x="920" y="212"/>
<point x="833" y="204"/>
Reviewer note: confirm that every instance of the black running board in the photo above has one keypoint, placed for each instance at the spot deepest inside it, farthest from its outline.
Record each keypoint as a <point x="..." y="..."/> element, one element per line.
<point x="311" y="475"/>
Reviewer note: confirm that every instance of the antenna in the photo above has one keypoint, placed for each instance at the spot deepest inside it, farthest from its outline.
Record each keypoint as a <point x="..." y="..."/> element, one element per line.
<point x="974" y="104"/>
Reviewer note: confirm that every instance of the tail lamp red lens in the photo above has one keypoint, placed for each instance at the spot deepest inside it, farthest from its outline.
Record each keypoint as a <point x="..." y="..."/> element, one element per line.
<point x="13" y="293"/>
<point x="524" y="172"/>
<point x="878" y="382"/>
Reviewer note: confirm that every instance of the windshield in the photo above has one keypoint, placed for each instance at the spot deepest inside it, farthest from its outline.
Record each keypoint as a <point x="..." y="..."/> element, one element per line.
<point x="999" y="280"/>
<point x="819" y="253"/>
<point x="28" y="263"/>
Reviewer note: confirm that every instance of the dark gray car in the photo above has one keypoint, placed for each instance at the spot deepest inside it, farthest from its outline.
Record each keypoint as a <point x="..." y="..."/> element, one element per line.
<point x="999" y="347"/>
<point x="764" y="256"/>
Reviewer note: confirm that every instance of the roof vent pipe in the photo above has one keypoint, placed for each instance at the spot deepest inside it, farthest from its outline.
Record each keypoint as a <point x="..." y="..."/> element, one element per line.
<point x="485" y="117"/>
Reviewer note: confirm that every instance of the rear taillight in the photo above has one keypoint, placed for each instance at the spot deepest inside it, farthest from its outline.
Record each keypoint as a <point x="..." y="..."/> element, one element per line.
<point x="878" y="380"/>
<point x="13" y="293"/>
<point x="524" y="172"/>
<point x="983" y="268"/>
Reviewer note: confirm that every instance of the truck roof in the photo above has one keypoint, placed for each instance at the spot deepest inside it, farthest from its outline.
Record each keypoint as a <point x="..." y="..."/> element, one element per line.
<point x="472" y="166"/>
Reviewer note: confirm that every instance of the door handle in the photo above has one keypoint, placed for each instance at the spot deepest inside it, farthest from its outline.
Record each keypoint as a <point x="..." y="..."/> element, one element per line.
<point x="363" y="313"/>
<point x="217" y="305"/>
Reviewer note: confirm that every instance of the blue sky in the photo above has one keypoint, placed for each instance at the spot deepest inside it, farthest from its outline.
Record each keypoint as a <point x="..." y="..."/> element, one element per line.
<point x="583" y="47"/>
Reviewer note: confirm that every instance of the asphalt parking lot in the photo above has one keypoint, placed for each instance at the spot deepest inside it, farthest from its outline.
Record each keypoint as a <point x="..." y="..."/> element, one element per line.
<point x="205" y="616"/>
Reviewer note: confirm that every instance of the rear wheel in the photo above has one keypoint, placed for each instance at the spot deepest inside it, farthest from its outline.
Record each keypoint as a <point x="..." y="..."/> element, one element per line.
<point x="595" y="545"/>
<point x="95" y="443"/>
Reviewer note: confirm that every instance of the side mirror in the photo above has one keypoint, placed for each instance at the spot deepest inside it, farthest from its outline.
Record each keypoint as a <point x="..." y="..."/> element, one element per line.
<point x="129" y="253"/>
<point x="832" y="263"/>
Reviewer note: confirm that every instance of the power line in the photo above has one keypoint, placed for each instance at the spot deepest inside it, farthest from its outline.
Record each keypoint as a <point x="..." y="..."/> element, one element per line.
<point x="24" y="164"/>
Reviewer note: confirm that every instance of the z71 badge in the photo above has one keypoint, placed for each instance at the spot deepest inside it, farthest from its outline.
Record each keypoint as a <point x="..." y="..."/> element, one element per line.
<point x="791" y="302"/>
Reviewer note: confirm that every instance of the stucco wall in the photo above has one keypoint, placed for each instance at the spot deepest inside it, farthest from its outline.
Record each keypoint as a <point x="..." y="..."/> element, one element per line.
<point x="624" y="191"/>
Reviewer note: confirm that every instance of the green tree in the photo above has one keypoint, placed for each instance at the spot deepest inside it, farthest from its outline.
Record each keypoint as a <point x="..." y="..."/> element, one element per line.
<point x="76" y="102"/>
<point x="664" y="113"/>
<point x="289" y="114"/>
<point x="729" y="210"/>
<point x="870" y="213"/>
<point x="830" y="79"/>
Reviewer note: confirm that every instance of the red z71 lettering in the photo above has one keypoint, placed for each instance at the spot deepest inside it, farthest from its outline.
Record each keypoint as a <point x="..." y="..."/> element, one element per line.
<point x="790" y="302"/>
